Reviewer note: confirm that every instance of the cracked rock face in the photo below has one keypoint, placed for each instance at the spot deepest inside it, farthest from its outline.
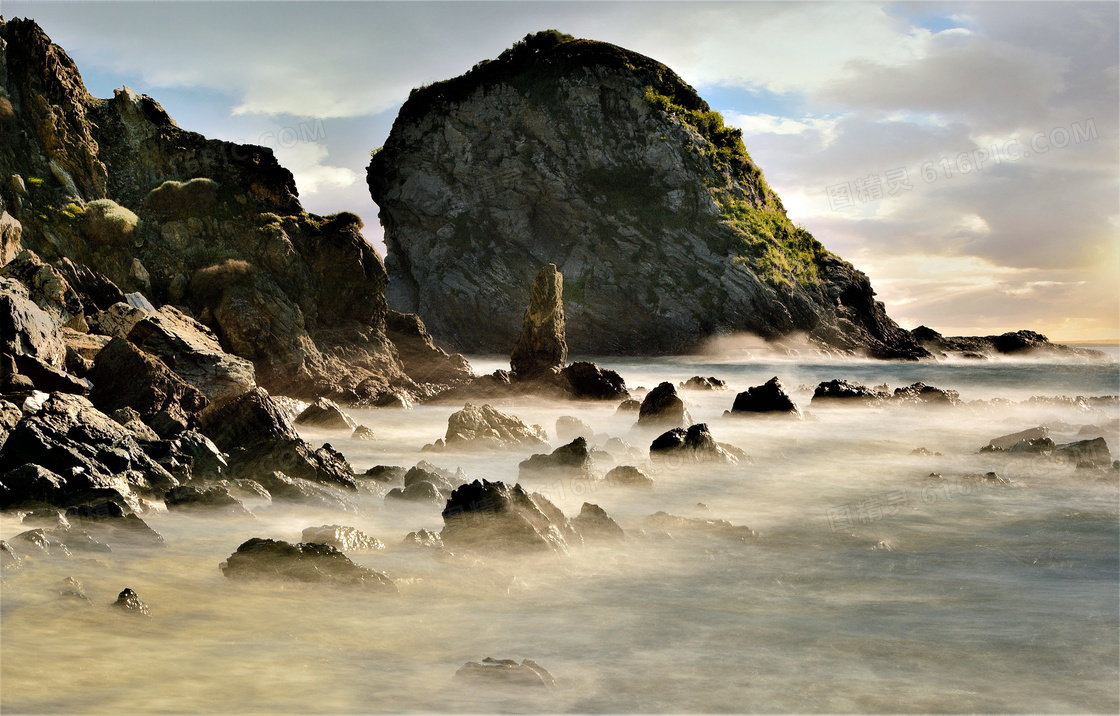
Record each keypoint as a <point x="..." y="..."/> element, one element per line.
<point x="605" y="163"/>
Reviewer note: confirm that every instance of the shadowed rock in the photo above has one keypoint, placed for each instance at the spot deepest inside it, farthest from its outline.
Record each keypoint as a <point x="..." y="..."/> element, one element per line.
<point x="697" y="382"/>
<point x="629" y="476"/>
<point x="768" y="398"/>
<point x="485" y="427"/>
<point x="663" y="408"/>
<point x="492" y="515"/>
<point x="696" y="444"/>
<point x="921" y="394"/>
<point x="1086" y="453"/>
<point x="212" y="499"/>
<point x="541" y="348"/>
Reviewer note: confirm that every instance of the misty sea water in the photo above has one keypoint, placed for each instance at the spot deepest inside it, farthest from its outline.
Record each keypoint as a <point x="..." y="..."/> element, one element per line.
<point x="870" y="587"/>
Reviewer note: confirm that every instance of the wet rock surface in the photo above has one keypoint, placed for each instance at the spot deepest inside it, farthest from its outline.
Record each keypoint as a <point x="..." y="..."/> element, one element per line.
<point x="486" y="427"/>
<point x="127" y="601"/>
<point x="572" y="460"/>
<point x="208" y="499"/>
<point x="346" y="539"/>
<point x="847" y="391"/>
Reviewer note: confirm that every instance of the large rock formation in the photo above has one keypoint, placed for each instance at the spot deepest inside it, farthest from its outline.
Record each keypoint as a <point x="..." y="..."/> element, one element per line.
<point x="113" y="193"/>
<point x="542" y="347"/>
<point x="605" y="163"/>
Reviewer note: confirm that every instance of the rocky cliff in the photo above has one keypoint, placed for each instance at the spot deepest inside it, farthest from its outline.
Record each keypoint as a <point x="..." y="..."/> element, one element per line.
<point x="116" y="191"/>
<point x="605" y="163"/>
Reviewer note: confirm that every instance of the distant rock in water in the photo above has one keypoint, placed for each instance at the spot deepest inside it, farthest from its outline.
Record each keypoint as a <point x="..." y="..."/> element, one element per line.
<point x="486" y="427"/>
<point x="541" y="348"/>
<point x="1017" y="343"/>
<point x="697" y="382"/>
<point x="129" y="602"/>
<point x="606" y="164"/>
<point x="845" y="391"/>
<point x="923" y="394"/>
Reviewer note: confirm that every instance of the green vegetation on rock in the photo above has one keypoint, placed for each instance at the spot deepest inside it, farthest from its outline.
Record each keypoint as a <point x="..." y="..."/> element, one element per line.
<point x="772" y="245"/>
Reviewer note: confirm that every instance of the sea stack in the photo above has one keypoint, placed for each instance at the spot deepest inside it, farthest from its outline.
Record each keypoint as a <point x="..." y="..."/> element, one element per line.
<point x="542" y="348"/>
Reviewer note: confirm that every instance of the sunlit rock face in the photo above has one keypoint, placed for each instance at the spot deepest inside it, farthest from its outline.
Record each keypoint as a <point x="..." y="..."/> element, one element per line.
<point x="605" y="163"/>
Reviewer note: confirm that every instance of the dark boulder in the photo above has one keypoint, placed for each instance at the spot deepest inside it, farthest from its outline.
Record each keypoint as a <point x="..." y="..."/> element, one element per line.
<point x="27" y="330"/>
<point x="423" y="538"/>
<point x="589" y="381"/>
<point x="1005" y="442"/>
<point x="663" y="408"/>
<point x="48" y="378"/>
<point x="259" y="439"/>
<point x="91" y="451"/>
<point x="694" y="445"/>
<point x="770" y="397"/>
<point x="31" y="484"/>
<point x="594" y="525"/>
<point x="304" y="562"/>
<point x="423" y="361"/>
<point x="492" y="515"/>
<point x="362" y="433"/>
<point x="541" y="349"/>
<point x="125" y="376"/>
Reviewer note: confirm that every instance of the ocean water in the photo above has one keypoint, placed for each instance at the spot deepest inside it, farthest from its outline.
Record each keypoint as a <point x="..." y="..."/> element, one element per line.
<point x="869" y="587"/>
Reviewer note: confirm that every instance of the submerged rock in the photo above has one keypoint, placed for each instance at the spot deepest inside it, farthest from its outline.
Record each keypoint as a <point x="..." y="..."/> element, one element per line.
<point x="629" y="406"/>
<point x="386" y="473"/>
<point x="9" y="560"/>
<point x="629" y="476"/>
<point x="492" y="515"/>
<point x="541" y="349"/>
<point x="594" y="524"/>
<point x="326" y="414"/>
<point x="108" y="520"/>
<point x="663" y="408"/>
<point x="129" y="602"/>
<point x="673" y="524"/>
<point x="770" y="397"/>
<point x="1086" y="453"/>
<point x="423" y="538"/>
<point x="304" y="562"/>
<point x="1005" y="442"/>
<point x="362" y="433"/>
<point x="569" y="428"/>
<point x="347" y="539"/>
<point x="420" y="491"/>
<point x="490" y="673"/>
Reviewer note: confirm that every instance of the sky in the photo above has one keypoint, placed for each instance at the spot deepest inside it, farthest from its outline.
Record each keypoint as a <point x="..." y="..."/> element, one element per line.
<point x="963" y="155"/>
